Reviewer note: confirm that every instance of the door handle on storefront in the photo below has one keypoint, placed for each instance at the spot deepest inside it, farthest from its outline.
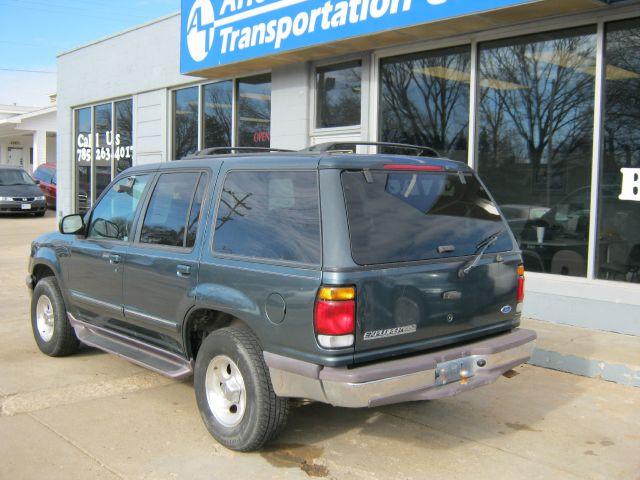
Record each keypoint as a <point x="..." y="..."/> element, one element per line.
<point x="183" y="270"/>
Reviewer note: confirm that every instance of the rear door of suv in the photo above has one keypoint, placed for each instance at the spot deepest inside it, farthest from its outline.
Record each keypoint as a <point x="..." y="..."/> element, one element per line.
<point x="161" y="270"/>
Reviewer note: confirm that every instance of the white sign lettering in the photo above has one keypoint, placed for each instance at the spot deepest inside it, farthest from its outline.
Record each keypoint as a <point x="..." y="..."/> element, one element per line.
<point x="630" y="184"/>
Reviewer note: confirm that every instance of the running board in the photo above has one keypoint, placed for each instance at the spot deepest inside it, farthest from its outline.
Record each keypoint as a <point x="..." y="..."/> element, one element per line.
<point x="135" y="351"/>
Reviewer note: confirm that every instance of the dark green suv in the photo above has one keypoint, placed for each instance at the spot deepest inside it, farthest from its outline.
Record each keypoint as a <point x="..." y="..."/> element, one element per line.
<point x="355" y="280"/>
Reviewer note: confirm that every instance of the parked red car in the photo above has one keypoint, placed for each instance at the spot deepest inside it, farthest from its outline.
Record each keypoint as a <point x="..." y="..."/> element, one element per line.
<point x="46" y="174"/>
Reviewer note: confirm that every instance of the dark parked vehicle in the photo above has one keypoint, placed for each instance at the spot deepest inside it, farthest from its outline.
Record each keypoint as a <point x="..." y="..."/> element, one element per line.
<point x="19" y="193"/>
<point x="47" y="176"/>
<point x="355" y="280"/>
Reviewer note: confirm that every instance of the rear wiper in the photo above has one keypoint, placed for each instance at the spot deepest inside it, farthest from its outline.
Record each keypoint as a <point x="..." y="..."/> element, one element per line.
<point x="482" y="247"/>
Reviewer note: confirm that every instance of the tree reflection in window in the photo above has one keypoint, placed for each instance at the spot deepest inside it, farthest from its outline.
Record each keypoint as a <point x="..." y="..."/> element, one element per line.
<point x="424" y="100"/>
<point x="185" y="119"/>
<point x="535" y="141"/>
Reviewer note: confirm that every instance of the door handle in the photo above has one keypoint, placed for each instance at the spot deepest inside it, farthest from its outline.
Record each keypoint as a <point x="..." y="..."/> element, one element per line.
<point x="113" y="258"/>
<point x="183" y="270"/>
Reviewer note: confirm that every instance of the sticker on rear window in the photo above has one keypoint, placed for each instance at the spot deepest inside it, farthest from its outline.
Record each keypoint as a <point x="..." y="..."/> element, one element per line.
<point x="390" y="332"/>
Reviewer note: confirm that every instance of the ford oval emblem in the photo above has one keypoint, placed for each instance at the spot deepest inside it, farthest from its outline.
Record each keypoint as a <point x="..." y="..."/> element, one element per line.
<point x="506" y="309"/>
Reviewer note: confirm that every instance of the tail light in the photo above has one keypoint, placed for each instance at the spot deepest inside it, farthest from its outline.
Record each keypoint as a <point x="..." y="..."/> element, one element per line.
<point x="520" y="296"/>
<point x="334" y="316"/>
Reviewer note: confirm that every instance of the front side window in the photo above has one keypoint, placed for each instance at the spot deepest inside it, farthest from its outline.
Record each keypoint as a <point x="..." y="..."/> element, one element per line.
<point x="424" y="100"/>
<point x="185" y="122"/>
<point x="166" y="219"/>
<point x="254" y="111"/>
<point x="618" y="253"/>
<point x="402" y="217"/>
<point x="270" y="215"/>
<point x="113" y="217"/>
<point x="535" y="142"/>
<point x="338" y="95"/>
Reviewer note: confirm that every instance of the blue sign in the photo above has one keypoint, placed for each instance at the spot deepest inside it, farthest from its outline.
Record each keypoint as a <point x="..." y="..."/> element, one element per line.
<point x="230" y="31"/>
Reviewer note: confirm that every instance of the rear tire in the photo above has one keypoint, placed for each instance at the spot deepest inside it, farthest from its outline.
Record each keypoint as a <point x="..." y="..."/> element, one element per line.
<point x="234" y="392"/>
<point x="52" y="331"/>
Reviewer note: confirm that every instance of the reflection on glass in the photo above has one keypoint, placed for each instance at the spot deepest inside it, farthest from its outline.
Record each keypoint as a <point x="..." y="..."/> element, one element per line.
<point x="254" y="111"/>
<point x="424" y="100"/>
<point x="338" y="95"/>
<point x="273" y="215"/>
<point x="185" y="122"/>
<point x="103" y="148"/>
<point x="82" y="150"/>
<point x="123" y="142"/>
<point x="535" y="141"/>
<point x="217" y="109"/>
<point x="194" y="216"/>
<point x="619" y="196"/>
<point x="165" y="221"/>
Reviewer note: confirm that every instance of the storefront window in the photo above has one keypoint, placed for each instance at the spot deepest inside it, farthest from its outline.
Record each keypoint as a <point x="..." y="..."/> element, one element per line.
<point x="254" y="111"/>
<point x="338" y="95"/>
<point x="185" y="122"/>
<point x="83" y="149"/>
<point x="218" y="108"/>
<point x="424" y="100"/>
<point x="535" y="141"/>
<point x="619" y="195"/>
<point x="123" y="141"/>
<point x="103" y="146"/>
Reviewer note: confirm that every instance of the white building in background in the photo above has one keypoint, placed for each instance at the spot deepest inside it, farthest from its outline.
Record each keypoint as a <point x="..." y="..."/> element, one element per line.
<point x="28" y="135"/>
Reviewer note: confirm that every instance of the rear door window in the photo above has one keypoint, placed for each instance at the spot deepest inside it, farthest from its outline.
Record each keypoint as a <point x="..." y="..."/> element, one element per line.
<point x="169" y="210"/>
<point x="270" y="215"/>
<point x="407" y="216"/>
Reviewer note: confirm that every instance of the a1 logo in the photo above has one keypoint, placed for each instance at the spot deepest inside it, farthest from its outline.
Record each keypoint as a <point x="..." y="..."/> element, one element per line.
<point x="200" y="29"/>
<point x="630" y="184"/>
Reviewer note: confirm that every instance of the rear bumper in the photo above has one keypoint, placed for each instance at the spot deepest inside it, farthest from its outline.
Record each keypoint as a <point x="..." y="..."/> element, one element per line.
<point x="402" y="380"/>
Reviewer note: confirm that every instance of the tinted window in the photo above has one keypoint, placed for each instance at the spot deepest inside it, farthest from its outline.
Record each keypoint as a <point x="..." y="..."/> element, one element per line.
<point x="339" y="91"/>
<point x="194" y="216"/>
<point x="273" y="215"/>
<point x="535" y="142"/>
<point x="166" y="217"/>
<point x="254" y="111"/>
<point x="185" y="122"/>
<point x="113" y="216"/>
<point x="406" y="216"/>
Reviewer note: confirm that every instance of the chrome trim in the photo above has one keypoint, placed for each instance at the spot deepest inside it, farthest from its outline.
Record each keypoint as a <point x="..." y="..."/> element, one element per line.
<point x="150" y="318"/>
<point x="95" y="302"/>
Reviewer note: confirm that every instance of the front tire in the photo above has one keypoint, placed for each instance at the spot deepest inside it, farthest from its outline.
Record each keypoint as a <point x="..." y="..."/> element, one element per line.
<point x="52" y="331"/>
<point x="234" y="392"/>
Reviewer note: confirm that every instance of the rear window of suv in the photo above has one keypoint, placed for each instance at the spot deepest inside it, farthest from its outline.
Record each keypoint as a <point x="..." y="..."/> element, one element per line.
<point x="400" y="216"/>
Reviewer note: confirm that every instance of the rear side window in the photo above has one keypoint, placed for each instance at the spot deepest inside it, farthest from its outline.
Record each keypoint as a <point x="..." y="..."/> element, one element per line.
<point x="43" y="174"/>
<point x="270" y="215"/>
<point x="407" y="216"/>
<point x="168" y="215"/>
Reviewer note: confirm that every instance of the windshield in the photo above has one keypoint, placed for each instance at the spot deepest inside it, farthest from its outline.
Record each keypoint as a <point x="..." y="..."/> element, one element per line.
<point x="407" y="216"/>
<point x="14" y="177"/>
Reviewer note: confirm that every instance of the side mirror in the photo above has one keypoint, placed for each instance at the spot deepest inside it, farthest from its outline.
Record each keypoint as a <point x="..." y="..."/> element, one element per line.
<point x="71" y="224"/>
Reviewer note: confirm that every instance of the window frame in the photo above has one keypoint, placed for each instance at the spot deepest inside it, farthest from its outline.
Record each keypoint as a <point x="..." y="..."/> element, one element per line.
<point x="114" y="175"/>
<point x="145" y="206"/>
<point x="316" y="93"/>
<point x="200" y="86"/>
<point x="222" y="177"/>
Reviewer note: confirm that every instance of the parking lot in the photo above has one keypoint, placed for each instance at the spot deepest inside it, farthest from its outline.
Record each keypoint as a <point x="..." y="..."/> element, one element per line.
<point x="94" y="415"/>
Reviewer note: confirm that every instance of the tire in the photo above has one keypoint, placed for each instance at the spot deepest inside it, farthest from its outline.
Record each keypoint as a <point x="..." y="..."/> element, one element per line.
<point x="246" y="421"/>
<point x="41" y="214"/>
<point x="52" y="331"/>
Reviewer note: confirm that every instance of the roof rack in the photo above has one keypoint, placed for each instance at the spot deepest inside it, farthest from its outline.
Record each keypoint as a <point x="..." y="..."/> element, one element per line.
<point x="349" y="147"/>
<point x="222" y="150"/>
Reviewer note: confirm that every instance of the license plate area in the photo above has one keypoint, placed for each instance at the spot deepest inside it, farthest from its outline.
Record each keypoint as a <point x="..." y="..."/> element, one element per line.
<point x="460" y="369"/>
<point x="25" y="206"/>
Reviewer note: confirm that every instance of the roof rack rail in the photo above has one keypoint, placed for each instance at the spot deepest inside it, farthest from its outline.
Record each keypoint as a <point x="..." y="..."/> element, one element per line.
<point x="349" y="147"/>
<point x="222" y="150"/>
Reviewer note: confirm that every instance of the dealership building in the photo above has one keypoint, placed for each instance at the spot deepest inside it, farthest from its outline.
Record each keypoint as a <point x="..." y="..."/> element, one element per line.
<point x="541" y="97"/>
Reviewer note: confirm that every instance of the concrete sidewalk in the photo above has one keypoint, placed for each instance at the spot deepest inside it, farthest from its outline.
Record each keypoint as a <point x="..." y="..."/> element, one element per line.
<point x="591" y="353"/>
<point x="93" y="415"/>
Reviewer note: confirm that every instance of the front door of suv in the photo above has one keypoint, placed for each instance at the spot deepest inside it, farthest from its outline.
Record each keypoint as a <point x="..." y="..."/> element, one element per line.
<point x="96" y="261"/>
<point x="162" y="264"/>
